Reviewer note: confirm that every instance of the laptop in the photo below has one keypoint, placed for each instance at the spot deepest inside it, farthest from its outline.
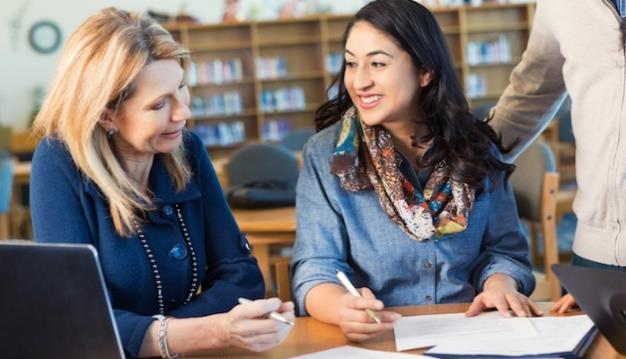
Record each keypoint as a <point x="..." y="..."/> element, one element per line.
<point x="54" y="303"/>
<point x="601" y="294"/>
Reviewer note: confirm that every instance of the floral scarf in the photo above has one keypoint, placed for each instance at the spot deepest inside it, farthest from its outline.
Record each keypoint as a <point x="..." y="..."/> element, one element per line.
<point x="365" y="158"/>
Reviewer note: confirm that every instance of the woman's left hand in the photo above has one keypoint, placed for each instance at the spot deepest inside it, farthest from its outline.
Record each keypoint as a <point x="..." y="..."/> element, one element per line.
<point x="500" y="292"/>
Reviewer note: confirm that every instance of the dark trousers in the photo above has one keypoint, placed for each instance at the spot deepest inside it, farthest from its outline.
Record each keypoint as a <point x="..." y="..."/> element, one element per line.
<point x="582" y="262"/>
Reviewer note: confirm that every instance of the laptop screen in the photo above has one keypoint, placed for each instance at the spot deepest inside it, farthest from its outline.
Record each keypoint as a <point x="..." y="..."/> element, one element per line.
<point x="55" y="304"/>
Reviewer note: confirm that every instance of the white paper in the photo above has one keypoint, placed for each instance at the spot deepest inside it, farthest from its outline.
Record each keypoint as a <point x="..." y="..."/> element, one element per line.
<point x="556" y="335"/>
<point x="429" y="330"/>
<point x="349" y="352"/>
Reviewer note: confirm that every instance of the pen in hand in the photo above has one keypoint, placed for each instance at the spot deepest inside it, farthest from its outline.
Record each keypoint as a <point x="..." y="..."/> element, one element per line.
<point x="346" y="283"/>
<point x="273" y="315"/>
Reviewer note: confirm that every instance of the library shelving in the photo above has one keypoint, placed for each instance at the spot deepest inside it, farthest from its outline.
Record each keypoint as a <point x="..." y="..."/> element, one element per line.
<point x="258" y="80"/>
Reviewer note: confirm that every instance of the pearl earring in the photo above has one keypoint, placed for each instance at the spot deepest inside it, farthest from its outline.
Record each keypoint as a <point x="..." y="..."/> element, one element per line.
<point x="111" y="131"/>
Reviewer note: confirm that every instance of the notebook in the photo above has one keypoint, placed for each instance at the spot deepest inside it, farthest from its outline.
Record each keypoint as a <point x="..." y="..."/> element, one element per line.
<point x="602" y="296"/>
<point x="54" y="303"/>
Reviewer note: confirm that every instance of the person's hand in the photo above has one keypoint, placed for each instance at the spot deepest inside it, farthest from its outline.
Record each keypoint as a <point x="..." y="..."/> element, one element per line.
<point x="354" y="321"/>
<point x="500" y="292"/>
<point x="246" y="326"/>
<point x="564" y="304"/>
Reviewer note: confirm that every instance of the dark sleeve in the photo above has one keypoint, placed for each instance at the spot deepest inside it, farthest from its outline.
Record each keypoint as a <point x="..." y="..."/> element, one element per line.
<point x="232" y="272"/>
<point x="58" y="217"/>
<point x="53" y="186"/>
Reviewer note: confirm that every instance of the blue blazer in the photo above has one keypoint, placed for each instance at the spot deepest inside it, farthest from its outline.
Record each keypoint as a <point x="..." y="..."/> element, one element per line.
<point x="67" y="207"/>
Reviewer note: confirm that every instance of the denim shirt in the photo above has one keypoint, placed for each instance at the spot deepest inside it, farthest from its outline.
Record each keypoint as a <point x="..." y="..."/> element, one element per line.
<point x="351" y="232"/>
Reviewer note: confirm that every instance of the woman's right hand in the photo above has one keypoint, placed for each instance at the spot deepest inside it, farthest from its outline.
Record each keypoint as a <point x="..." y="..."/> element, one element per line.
<point x="354" y="321"/>
<point x="564" y="304"/>
<point x="246" y="325"/>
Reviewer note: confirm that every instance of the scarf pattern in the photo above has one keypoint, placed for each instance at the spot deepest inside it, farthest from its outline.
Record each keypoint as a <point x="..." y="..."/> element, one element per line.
<point x="365" y="158"/>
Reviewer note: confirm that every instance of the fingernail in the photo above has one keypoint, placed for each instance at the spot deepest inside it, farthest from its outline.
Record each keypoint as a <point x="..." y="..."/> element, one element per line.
<point x="378" y="305"/>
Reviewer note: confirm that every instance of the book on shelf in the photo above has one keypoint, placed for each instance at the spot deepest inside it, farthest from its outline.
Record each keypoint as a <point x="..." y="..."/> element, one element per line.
<point x="215" y="72"/>
<point x="271" y="67"/>
<point x="489" y="52"/>
<point x="334" y="61"/>
<point x="276" y="129"/>
<point x="283" y="99"/>
<point x="221" y="133"/>
<point x="229" y="102"/>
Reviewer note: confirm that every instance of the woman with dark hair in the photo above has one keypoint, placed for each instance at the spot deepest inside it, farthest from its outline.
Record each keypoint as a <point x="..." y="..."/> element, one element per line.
<point x="403" y="189"/>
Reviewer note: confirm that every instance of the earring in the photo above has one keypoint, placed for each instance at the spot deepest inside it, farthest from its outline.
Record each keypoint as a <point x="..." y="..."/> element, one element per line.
<point x="111" y="131"/>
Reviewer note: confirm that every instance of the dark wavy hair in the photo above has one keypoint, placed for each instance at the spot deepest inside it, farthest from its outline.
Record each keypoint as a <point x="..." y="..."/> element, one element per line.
<point x="462" y="140"/>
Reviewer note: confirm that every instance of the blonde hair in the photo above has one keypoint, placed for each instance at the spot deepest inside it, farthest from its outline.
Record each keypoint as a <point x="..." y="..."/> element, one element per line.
<point x="96" y="71"/>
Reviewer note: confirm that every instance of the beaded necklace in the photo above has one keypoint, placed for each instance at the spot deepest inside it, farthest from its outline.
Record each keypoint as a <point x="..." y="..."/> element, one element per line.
<point x="155" y="268"/>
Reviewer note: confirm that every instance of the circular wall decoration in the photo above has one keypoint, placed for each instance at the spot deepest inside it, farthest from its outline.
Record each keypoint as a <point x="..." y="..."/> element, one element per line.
<point x="44" y="36"/>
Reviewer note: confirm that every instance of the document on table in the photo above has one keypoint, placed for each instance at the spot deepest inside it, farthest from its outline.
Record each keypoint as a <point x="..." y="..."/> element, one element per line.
<point x="438" y="329"/>
<point x="349" y="352"/>
<point x="557" y="335"/>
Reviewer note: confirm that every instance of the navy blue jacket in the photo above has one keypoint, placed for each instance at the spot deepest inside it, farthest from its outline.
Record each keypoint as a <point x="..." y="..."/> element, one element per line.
<point x="69" y="208"/>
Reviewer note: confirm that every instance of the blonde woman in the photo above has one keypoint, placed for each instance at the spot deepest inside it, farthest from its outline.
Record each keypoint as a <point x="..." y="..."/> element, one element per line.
<point x="116" y="169"/>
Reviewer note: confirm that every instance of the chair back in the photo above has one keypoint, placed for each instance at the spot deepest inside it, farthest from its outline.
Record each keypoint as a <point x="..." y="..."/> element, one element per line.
<point x="535" y="183"/>
<point x="528" y="179"/>
<point x="481" y="112"/>
<point x="564" y="116"/>
<point x="262" y="162"/>
<point x="296" y="139"/>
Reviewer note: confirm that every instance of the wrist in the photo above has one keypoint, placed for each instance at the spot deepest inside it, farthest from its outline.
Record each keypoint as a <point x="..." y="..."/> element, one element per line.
<point x="219" y="328"/>
<point x="500" y="281"/>
<point x="164" y="345"/>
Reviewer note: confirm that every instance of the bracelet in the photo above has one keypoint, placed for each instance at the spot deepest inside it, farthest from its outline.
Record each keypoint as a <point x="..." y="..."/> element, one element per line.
<point x="164" y="349"/>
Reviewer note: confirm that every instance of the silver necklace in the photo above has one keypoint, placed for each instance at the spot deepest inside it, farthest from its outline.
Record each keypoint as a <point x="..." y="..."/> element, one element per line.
<point x="155" y="269"/>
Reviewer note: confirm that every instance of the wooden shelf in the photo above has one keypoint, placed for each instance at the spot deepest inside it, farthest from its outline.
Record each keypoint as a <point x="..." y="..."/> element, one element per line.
<point x="308" y="108"/>
<point x="295" y="77"/>
<point x="244" y="81"/>
<point x="245" y="113"/>
<point x="243" y="45"/>
<point x="451" y="30"/>
<point x="229" y="146"/>
<point x="290" y="42"/>
<point x="305" y="44"/>
<point x="511" y="63"/>
<point x="498" y="27"/>
<point x="487" y="96"/>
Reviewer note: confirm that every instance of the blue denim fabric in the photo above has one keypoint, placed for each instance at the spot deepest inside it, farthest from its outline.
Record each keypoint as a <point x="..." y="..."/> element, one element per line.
<point x="351" y="232"/>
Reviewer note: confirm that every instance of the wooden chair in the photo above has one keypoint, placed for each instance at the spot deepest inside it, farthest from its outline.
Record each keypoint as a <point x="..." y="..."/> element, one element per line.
<point x="282" y="272"/>
<point x="536" y="183"/>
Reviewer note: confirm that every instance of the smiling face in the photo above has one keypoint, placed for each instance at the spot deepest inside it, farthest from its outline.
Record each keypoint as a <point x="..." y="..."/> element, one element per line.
<point x="380" y="77"/>
<point x="152" y="119"/>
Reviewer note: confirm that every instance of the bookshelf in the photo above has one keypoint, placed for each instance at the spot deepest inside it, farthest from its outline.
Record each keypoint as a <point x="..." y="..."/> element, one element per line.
<point x="258" y="80"/>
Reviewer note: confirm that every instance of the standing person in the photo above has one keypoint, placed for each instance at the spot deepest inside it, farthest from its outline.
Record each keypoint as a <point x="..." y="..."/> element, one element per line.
<point x="578" y="47"/>
<point x="116" y="169"/>
<point x="403" y="189"/>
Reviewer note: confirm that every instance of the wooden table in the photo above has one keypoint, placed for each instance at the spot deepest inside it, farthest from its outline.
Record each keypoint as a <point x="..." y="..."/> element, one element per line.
<point x="267" y="227"/>
<point x="310" y="335"/>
